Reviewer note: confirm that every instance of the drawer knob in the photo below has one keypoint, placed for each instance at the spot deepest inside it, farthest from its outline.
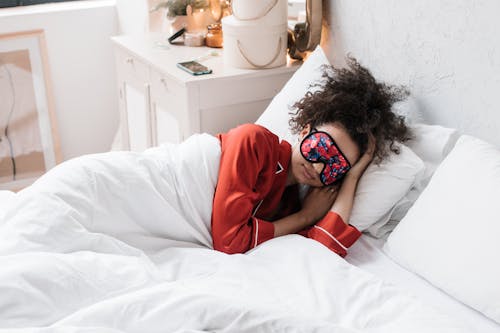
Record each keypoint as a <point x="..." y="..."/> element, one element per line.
<point x="129" y="60"/>
<point x="164" y="82"/>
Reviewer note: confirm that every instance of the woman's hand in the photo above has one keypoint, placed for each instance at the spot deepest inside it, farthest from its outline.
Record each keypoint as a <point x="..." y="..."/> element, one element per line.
<point x="316" y="204"/>
<point x="318" y="201"/>
<point x="359" y="168"/>
<point x="344" y="202"/>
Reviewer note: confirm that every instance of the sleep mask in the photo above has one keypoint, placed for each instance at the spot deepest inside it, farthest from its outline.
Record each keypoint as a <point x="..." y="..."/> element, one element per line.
<point x="319" y="147"/>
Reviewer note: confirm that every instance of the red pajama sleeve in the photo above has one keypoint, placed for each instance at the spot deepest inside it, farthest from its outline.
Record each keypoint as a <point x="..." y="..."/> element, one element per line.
<point x="332" y="232"/>
<point x="246" y="156"/>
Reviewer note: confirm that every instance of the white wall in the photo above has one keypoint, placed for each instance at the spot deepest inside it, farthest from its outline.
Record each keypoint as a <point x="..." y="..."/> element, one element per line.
<point x="446" y="51"/>
<point x="81" y="66"/>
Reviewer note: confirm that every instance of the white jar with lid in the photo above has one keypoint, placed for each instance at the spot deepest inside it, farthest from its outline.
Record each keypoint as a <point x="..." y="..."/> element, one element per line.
<point x="267" y="12"/>
<point x="252" y="46"/>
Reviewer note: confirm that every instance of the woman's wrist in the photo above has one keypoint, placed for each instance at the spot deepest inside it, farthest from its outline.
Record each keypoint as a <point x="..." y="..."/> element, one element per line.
<point x="292" y="223"/>
<point x="304" y="218"/>
<point x="352" y="177"/>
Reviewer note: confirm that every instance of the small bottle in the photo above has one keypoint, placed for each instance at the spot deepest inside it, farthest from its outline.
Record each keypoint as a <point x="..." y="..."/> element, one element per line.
<point x="214" y="35"/>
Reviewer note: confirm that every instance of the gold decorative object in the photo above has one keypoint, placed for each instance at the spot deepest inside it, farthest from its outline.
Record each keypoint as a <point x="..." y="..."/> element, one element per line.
<point x="214" y="35"/>
<point x="220" y="8"/>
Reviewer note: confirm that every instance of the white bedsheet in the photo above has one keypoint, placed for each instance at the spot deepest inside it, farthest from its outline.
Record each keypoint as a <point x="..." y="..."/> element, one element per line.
<point x="120" y="242"/>
<point x="289" y="284"/>
<point x="367" y="254"/>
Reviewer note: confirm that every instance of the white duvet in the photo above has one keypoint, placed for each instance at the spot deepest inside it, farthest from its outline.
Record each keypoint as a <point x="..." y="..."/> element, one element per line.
<point x="120" y="242"/>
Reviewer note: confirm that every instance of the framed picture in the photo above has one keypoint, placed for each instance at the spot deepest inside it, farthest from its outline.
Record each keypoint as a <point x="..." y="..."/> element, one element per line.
<point x="29" y="144"/>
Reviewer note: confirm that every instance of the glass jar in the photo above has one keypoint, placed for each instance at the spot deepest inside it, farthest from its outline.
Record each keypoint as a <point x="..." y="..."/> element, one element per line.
<point x="214" y="35"/>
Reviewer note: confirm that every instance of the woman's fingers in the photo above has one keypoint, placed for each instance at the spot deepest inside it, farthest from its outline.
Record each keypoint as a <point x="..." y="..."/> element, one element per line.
<point x="372" y="142"/>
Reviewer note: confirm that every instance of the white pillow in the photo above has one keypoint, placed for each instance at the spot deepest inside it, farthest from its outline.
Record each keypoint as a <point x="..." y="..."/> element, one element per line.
<point x="276" y="116"/>
<point x="451" y="234"/>
<point x="381" y="186"/>
<point x="431" y="143"/>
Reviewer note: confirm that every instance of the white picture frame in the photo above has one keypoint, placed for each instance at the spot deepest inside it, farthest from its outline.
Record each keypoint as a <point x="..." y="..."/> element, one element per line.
<point x="29" y="142"/>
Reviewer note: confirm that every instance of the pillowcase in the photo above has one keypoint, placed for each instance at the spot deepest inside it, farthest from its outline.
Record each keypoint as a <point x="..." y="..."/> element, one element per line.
<point x="276" y="116"/>
<point x="450" y="235"/>
<point x="431" y="143"/>
<point x="382" y="185"/>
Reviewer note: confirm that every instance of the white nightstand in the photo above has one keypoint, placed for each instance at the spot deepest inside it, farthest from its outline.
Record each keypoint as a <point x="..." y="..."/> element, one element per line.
<point x="160" y="102"/>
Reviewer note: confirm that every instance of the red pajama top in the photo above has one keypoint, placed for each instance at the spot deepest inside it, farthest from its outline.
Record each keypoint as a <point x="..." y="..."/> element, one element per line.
<point x="248" y="197"/>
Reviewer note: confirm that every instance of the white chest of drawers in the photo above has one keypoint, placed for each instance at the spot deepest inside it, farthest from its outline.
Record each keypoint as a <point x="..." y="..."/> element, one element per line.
<point x="161" y="103"/>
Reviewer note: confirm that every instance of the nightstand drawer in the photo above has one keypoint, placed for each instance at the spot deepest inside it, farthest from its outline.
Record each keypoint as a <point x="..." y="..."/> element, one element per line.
<point x="169" y="113"/>
<point x="165" y="90"/>
<point x="131" y="68"/>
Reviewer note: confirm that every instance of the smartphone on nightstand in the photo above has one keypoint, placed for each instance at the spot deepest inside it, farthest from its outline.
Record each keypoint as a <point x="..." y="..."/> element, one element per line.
<point x="194" y="67"/>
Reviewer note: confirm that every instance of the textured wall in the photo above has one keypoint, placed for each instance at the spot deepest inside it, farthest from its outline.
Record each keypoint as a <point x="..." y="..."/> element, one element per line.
<point x="446" y="51"/>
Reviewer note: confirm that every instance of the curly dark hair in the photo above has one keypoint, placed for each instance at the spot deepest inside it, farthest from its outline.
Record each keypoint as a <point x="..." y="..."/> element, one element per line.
<point x="352" y="97"/>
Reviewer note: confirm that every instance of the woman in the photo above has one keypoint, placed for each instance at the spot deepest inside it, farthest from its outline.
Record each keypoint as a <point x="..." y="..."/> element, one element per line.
<point x="341" y="127"/>
<point x="231" y="193"/>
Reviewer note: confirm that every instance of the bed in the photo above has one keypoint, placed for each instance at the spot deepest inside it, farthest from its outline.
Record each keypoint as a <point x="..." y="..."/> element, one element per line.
<point x="368" y="254"/>
<point x="78" y="254"/>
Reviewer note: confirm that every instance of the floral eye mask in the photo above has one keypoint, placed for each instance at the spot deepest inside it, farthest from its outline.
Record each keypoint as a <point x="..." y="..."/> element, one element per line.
<point x="319" y="147"/>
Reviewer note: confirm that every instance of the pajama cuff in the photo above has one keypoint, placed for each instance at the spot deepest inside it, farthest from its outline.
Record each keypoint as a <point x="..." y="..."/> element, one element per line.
<point x="332" y="232"/>
<point x="262" y="231"/>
